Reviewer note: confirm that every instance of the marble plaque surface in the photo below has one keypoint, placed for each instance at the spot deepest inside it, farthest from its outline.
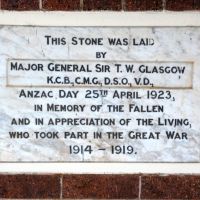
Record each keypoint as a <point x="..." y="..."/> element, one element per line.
<point x="99" y="94"/>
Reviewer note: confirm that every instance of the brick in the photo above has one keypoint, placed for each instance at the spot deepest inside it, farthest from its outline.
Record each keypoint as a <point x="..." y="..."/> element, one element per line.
<point x="29" y="186"/>
<point x="133" y="5"/>
<point x="100" y="186"/>
<point x="61" y="4"/>
<point x="102" y="5"/>
<point x="170" y="187"/>
<point x="20" y="5"/>
<point x="197" y="4"/>
<point x="180" y="5"/>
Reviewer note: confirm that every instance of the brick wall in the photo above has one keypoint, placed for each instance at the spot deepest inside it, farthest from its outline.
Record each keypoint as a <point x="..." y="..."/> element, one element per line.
<point x="89" y="5"/>
<point x="100" y="186"/>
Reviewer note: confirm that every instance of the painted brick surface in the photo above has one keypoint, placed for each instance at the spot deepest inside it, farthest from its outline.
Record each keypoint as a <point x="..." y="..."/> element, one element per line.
<point x="20" y="4"/>
<point x="102" y="5"/>
<point x="61" y="5"/>
<point x="29" y="186"/>
<point x="101" y="186"/>
<point x="170" y="187"/>
<point x="142" y="5"/>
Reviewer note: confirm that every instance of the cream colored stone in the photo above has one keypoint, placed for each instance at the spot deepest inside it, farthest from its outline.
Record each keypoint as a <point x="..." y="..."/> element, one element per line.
<point x="173" y="47"/>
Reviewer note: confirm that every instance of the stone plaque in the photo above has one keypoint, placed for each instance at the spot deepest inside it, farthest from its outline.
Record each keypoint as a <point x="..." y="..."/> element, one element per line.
<point x="99" y="94"/>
